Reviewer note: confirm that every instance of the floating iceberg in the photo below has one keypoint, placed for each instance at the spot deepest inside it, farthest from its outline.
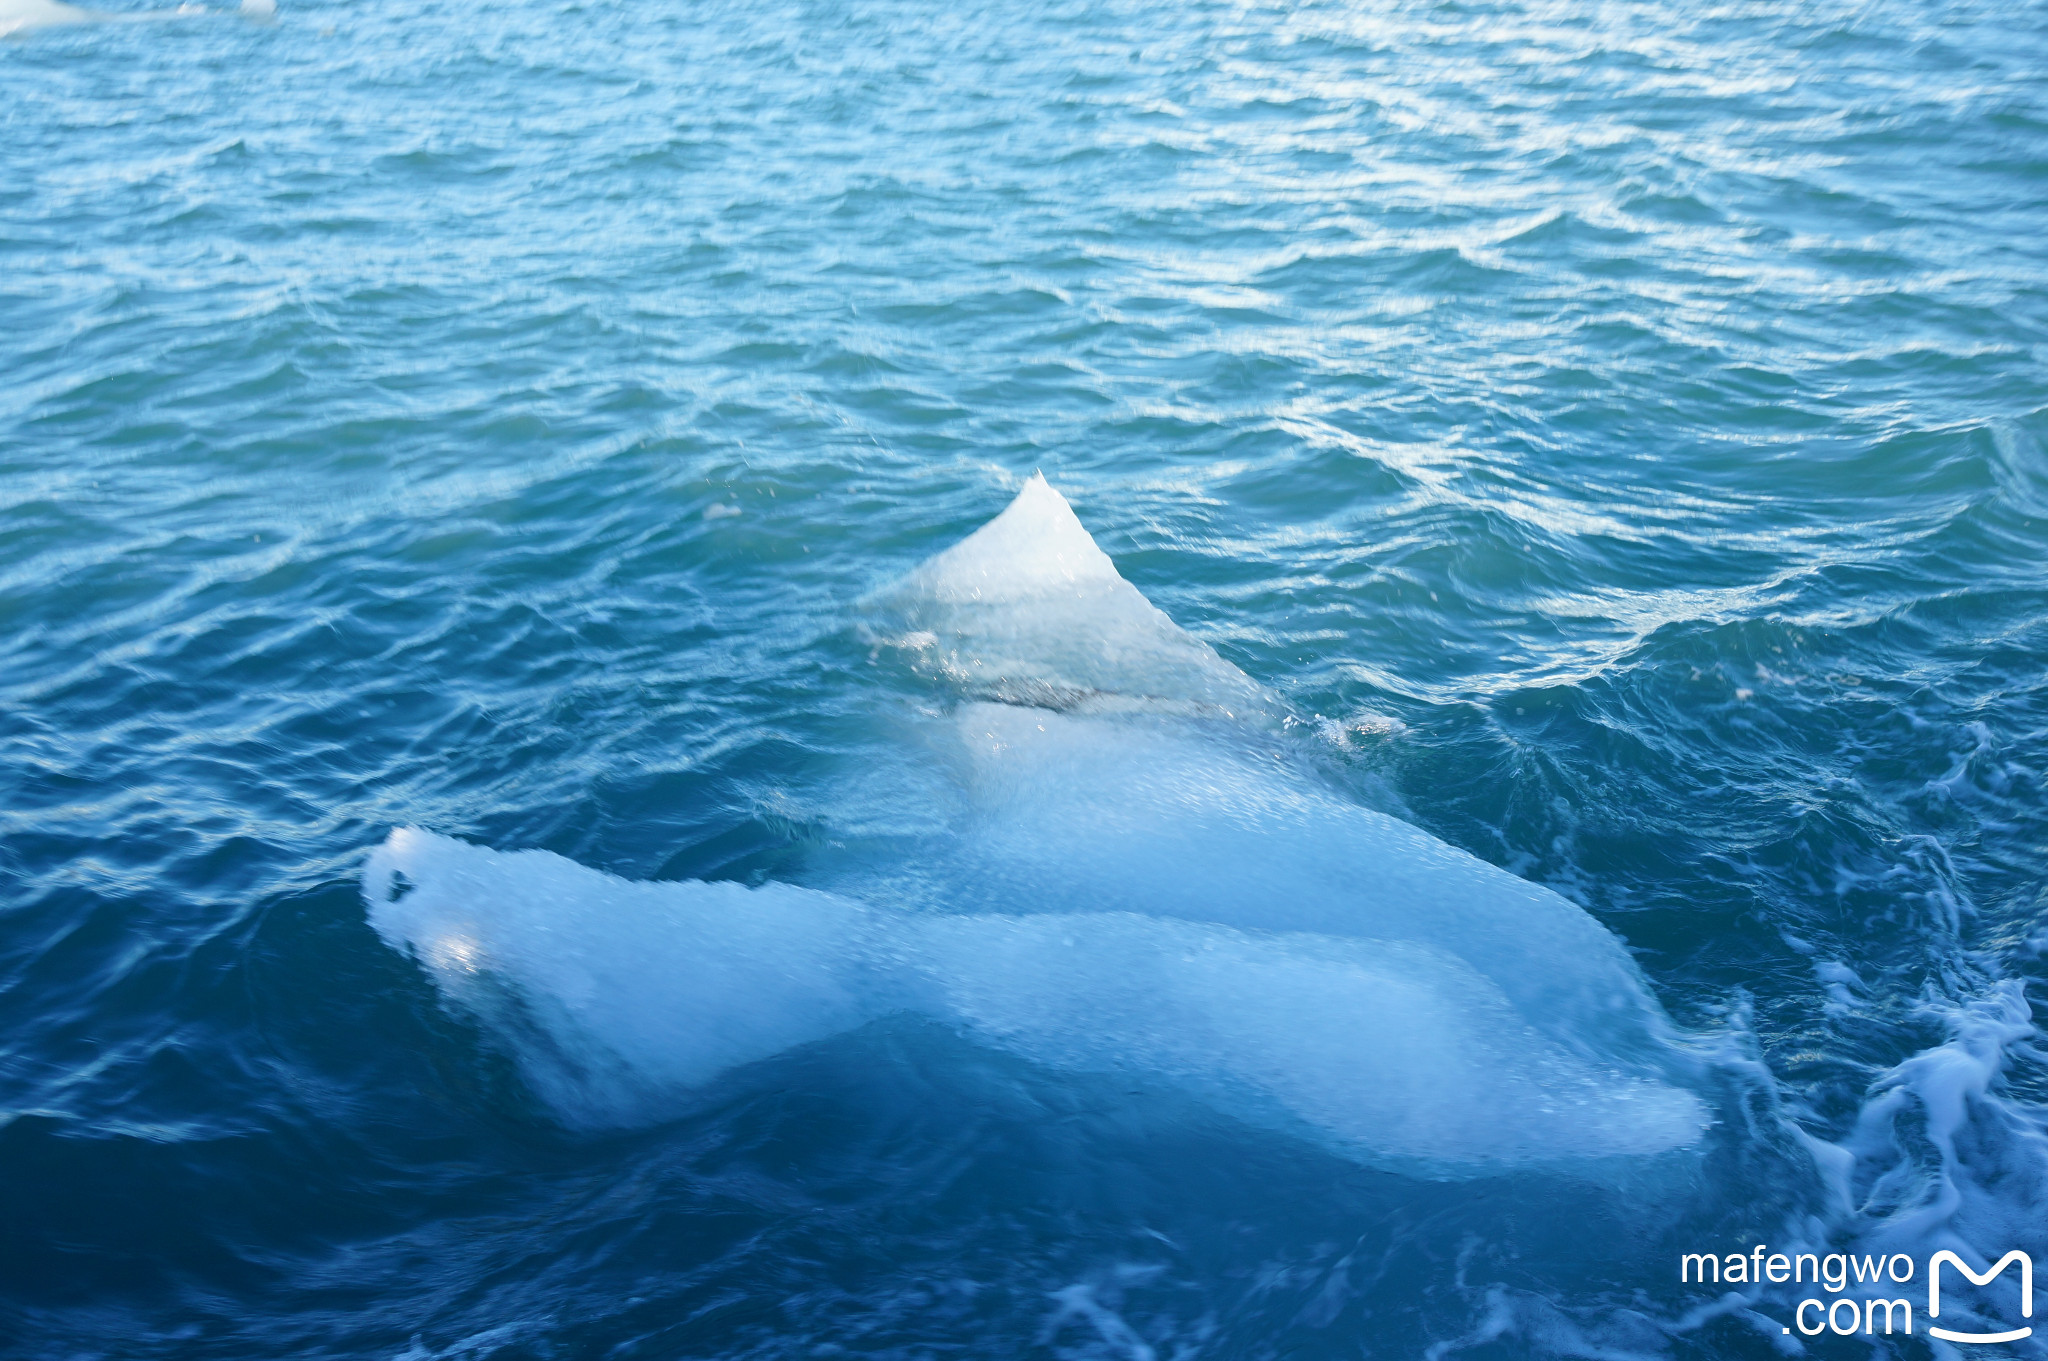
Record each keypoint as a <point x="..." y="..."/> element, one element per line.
<point x="1130" y="877"/>
<point x="21" y="17"/>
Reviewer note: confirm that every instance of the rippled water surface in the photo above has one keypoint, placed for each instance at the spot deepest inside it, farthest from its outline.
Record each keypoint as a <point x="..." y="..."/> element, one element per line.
<point x="1615" y="436"/>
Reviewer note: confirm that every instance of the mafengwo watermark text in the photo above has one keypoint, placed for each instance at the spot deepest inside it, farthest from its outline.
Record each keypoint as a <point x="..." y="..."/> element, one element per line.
<point x="1872" y="1276"/>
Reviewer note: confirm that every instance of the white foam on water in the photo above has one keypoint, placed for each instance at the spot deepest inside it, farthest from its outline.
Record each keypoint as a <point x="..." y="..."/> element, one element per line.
<point x="1941" y="1156"/>
<point x="619" y="997"/>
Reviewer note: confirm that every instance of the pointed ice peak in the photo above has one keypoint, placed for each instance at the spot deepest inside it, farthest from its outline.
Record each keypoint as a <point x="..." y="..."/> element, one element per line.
<point x="1028" y="610"/>
<point x="1035" y="548"/>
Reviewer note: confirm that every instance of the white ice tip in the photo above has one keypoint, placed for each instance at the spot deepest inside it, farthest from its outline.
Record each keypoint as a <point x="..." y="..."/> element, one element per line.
<point x="259" y="10"/>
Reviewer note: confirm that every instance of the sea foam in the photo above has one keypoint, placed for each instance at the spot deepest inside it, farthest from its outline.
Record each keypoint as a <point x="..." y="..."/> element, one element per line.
<point x="1131" y="878"/>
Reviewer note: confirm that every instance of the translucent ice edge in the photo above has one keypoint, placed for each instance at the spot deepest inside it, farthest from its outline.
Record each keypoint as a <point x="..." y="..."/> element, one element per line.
<point x="618" y="996"/>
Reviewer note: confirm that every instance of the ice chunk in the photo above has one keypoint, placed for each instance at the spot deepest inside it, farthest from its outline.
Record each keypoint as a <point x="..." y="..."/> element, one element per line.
<point x="617" y="997"/>
<point x="22" y="16"/>
<point x="1128" y="877"/>
<point x="1083" y="791"/>
<point x="1027" y="609"/>
<point x="1082" y="813"/>
<point x="25" y="16"/>
<point x="614" y="990"/>
<point x="1390" y="1050"/>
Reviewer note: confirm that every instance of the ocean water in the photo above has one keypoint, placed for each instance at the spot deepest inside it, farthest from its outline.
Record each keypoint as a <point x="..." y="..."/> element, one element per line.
<point x="519" y="841"/>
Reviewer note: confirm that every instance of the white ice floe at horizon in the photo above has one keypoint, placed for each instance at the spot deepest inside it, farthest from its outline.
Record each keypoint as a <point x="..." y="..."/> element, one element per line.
<point x="21" y="17"/>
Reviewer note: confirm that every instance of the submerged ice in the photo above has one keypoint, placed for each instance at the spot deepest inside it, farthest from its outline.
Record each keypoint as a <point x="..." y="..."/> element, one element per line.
<point x="625" y="993"/>
<point x="1095" y="813"/>
<point x="1125" y="875"/>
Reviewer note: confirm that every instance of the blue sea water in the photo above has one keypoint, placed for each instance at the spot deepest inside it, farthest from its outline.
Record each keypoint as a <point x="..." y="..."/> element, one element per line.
<point x="1615" y="436"/>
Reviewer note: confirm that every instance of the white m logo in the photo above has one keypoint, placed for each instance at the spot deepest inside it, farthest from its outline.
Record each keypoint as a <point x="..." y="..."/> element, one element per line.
<point x="2026" y="1294"/>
